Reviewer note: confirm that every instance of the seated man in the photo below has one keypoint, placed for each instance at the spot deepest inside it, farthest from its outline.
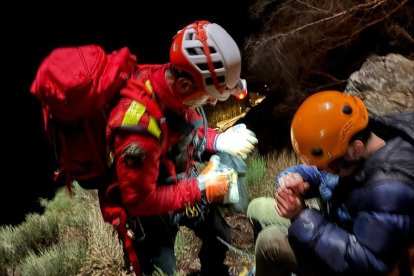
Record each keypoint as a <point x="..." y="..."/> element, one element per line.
<point x="367" y="226"/>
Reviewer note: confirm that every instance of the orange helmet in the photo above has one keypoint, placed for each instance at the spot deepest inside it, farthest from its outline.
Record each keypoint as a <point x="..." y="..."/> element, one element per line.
<point x="208" y="53"/>
<point x="324" y="124"/>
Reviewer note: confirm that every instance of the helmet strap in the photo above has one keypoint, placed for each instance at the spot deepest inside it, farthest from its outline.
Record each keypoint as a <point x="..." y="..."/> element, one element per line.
<point x="202" y="36"/>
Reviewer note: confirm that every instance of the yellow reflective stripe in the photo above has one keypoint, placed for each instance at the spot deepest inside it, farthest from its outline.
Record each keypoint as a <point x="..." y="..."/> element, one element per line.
<point x="153" y="127"/>
<point x="148" y="86"/>
<point x="133" y="114"/>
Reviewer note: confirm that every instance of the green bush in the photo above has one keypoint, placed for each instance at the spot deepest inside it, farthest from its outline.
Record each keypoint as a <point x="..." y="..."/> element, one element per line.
<point x="60" y="259"/>
<point x="57" y="242"/>
<point x="37" y="233"/>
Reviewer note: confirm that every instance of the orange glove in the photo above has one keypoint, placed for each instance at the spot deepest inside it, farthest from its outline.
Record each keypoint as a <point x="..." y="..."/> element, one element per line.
<point x="212" y="165"/>
<point x="214" y="184"/>
<point x="217" y="187"/>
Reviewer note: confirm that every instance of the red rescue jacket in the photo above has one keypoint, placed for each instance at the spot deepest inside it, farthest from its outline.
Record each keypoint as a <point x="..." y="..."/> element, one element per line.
<point x="152" y="121"/>
<point x="142" y="187"/>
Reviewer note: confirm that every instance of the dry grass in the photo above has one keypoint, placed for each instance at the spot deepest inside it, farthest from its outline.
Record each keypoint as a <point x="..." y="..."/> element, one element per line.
<point x="274" y="164"/>
<point x="83" y="241"/>
<point x="105" y="256"/>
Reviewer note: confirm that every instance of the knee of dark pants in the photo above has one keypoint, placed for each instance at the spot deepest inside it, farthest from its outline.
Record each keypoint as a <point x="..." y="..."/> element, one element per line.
<point x="215" y="236"/>
<point x="272" y="246"/>
<point x="213" y="226"/>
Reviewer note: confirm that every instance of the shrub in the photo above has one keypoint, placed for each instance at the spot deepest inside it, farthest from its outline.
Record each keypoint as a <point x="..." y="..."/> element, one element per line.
<point x="60" y="259"/>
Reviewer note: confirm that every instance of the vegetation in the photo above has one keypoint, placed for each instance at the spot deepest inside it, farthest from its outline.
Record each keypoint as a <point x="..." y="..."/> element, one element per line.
<point x="70" y="238"/>
<point x="306" y="46"/>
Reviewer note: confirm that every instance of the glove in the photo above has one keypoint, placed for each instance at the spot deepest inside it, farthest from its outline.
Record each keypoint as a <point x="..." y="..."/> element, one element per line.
<point x="237" y="141"/>
<point x="218" y="182"/>
<point x="214" y="186"/>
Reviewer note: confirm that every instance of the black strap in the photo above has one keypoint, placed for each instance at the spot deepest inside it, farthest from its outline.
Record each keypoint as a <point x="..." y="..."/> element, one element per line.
<point x="201" y="143"/>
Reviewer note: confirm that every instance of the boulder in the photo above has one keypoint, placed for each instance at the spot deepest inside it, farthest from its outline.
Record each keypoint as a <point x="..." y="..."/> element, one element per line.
<point x="385" y="83"/>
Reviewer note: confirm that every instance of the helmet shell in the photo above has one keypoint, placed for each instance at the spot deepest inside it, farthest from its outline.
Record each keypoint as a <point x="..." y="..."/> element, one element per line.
<point x="210" y="55"/>
<point x="324" y="124"/>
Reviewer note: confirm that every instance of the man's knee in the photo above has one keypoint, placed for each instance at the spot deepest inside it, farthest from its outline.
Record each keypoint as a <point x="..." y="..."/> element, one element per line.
<point x="268" y="242"/>
<point x="272" y="246"/>
<point x="262" y="211"/>
<point x="259" y="207"/>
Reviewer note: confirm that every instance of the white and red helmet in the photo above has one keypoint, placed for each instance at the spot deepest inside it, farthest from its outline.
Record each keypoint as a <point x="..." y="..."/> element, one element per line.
<point x="210" y="55"/>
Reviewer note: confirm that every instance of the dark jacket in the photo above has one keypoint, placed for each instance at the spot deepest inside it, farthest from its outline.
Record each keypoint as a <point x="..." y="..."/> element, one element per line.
<point x="380" y="202"/>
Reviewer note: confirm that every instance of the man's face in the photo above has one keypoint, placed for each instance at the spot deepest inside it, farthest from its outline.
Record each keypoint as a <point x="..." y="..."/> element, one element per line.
<point x="199" y="99"/>
<point x="190" y="95"/>
<point x="347" y="164"/>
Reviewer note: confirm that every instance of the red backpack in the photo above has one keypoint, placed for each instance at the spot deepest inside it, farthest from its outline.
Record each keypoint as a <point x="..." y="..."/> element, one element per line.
<point x="77" y="86"/>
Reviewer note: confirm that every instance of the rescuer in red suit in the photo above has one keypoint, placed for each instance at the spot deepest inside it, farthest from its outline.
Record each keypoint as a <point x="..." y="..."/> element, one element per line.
<point x="157" y="132"/>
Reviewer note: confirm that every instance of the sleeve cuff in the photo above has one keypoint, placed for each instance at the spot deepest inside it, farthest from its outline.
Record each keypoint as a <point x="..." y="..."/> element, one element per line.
<point x="305" y="226"/>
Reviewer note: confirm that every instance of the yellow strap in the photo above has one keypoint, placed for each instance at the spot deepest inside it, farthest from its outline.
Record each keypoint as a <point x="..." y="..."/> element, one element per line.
<point x="133" y="114"/>
<point x="148" y="86"/>
<point x="153" y="127"/>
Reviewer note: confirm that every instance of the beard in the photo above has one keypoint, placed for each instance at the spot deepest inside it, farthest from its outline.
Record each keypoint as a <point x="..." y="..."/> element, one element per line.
<point x="350" y="167"/>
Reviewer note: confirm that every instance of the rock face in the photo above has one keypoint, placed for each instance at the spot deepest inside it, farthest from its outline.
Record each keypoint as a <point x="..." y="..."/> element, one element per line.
<point x="385" y="83"/>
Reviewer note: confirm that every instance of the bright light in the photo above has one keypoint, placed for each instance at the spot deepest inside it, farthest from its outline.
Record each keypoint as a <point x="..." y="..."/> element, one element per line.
<point x="241" y="95"/>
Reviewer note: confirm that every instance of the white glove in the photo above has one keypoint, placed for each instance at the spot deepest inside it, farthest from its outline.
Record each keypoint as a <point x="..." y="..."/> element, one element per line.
<point x="237" y="141"/>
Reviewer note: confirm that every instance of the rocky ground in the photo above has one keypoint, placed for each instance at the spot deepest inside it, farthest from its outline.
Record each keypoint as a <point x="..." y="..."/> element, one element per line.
<point x="239" y="257"/>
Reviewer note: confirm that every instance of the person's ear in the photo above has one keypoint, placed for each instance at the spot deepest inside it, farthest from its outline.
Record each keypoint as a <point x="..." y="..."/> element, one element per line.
<point x="185" y="86"/>
<point x="357" y="150"/>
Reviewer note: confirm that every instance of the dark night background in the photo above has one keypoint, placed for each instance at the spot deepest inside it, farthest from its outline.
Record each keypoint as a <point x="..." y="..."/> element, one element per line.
<point x="31" y="31"/>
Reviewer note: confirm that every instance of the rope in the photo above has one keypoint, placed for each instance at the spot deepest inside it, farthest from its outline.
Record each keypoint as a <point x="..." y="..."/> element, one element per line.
<point x="236" y="250"/>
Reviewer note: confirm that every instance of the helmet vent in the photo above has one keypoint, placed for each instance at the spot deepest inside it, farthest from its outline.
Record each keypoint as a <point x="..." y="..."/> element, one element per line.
<point x="190" y="36"/>
<point x="204" y="66"/>
<point x="317" y="152"/>
<point x="198" y="51"/>
<point x="209" y="80"/>
<point x="347" y="110"/>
